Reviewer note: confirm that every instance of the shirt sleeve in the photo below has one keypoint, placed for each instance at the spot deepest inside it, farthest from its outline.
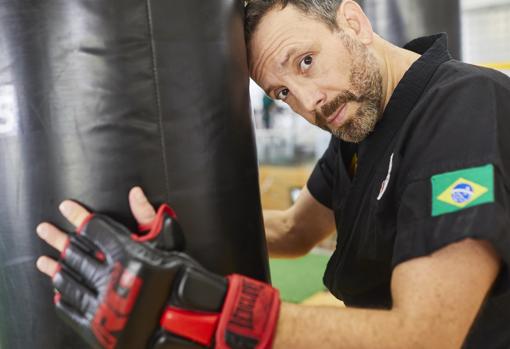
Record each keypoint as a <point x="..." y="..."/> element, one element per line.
<point x="458" y="185"/>
<point x="320" y="183"/>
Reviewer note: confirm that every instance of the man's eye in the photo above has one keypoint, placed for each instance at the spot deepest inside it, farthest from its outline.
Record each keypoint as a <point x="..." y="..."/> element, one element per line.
<point x="306" y="63"/>
<point x="282" y="95"/>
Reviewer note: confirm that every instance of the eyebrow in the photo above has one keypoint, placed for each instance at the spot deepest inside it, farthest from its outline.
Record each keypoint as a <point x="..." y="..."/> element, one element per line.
<point x="282" y="63"/>
<point x="289" y="53"/>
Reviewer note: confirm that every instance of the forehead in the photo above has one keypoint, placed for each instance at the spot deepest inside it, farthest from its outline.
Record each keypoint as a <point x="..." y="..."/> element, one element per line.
<point x="281" y="32"/>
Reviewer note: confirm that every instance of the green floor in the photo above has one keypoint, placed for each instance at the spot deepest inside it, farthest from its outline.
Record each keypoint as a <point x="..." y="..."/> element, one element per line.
<point x="298" y="279"/>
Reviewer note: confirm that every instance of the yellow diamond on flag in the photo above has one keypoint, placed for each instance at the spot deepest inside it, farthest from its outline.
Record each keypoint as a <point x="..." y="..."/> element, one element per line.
<point x="462" y="192"/>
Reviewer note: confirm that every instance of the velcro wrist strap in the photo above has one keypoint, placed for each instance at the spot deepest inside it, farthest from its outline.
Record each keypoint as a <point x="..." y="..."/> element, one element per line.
<point x="249" y="315"/>
<point x="195" y="326"/>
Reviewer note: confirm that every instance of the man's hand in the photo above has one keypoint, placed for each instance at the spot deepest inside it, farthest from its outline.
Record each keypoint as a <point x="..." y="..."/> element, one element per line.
<point x="122" y="290"/>
<point x="141" y="209"/>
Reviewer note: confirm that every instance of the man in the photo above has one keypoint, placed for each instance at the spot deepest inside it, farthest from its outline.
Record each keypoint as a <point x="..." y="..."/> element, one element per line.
<point x="417" y="238"/>
<point x="416" y="179"/>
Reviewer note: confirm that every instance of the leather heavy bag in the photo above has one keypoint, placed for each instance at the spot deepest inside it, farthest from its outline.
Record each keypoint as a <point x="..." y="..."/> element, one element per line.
<point x="401" y="21"/>
<point x="97" y="96"/>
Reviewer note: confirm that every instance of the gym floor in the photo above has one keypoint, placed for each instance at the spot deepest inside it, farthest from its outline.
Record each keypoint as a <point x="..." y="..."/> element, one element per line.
<point x="300" y="280"/>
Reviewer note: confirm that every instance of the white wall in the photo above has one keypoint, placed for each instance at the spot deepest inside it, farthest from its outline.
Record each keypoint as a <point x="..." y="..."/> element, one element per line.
<point x="473" y="4"/>
<point x="486" y="33"/>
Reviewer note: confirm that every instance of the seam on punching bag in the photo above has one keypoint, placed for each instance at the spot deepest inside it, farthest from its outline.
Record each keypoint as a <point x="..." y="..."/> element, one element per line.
<point x="158" y="98"/>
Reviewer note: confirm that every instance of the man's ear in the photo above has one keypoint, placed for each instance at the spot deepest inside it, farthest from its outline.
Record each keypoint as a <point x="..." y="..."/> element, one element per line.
<point x="350" y="16"/>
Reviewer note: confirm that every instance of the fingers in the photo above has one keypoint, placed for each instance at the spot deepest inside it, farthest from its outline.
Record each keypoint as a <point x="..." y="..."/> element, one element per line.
<point x="76" y="254"/>
<point x="74" y="212"/>
<point x="72" y="291"/>
<point x="56" y="238"/>
<point x="141" y="208"/>
<point x="53" y="236"/>
<point x="83" y="261"/>
<point x="47" y="266"/>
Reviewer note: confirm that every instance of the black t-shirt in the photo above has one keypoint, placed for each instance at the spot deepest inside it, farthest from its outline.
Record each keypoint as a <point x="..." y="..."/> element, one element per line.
<point x="435" y="170"/>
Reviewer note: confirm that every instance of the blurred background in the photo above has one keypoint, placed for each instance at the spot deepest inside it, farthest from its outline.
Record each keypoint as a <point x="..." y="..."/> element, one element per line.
<point x="288" y="147"/>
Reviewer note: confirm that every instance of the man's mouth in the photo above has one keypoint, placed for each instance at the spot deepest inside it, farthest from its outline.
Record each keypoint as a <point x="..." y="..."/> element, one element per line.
<point x="338" y="117"/>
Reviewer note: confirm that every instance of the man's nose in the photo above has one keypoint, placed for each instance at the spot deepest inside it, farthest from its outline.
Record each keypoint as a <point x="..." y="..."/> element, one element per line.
<point x="311" y="98"/>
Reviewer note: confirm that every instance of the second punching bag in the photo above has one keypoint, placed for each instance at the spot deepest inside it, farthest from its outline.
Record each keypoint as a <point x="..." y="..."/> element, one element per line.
<point x="401" y="21"/>
<point x="97" y="96"/>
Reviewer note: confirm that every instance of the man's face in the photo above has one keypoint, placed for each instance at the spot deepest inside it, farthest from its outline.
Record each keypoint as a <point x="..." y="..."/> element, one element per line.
<point x="328" y="77"/>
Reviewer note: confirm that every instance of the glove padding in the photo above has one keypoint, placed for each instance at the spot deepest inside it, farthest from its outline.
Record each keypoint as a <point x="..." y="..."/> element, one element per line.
<point x="122" y="291"/>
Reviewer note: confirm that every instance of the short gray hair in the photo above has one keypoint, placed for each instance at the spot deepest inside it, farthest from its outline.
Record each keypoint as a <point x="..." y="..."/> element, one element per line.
<point x="323" y="10"/>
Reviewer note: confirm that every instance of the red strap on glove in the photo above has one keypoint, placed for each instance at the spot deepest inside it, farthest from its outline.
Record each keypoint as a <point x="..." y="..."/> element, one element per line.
<point x="248" y="318"/>
<point x="199" y="327"/>
<point x="153" y="229"/>
<point x="249" y="315"/>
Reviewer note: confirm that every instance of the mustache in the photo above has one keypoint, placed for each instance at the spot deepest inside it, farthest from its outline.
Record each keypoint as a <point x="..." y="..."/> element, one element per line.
<point x="328" y="109"/>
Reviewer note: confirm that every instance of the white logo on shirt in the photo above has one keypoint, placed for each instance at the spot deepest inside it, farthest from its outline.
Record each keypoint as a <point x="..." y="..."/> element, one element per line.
<point x="384" y="184"/>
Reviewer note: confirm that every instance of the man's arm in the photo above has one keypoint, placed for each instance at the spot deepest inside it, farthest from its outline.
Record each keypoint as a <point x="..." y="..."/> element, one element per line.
<point x="435" y="301"/>
<point x="295" y="231"/>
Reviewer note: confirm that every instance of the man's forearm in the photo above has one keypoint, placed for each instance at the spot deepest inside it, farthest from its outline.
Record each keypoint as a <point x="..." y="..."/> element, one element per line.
<point x="281" y="239"/>
<point x="436" y="299"/>
<point x="305" y="327"/>
<point x="295" y="231"/>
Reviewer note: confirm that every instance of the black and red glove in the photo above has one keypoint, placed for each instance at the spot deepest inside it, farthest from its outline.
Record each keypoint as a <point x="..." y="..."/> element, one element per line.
<point x="120" y="291"/>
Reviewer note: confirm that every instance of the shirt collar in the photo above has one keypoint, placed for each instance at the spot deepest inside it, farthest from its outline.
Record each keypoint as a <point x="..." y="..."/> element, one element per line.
<point x="434" y="52"/>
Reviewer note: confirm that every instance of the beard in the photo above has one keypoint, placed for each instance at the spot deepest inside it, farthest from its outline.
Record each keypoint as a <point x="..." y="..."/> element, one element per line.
<point x="366" y="91"/>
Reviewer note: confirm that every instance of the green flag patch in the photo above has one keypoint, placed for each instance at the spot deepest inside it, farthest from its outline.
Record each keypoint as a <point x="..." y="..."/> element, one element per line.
<point x="457" y="190"/>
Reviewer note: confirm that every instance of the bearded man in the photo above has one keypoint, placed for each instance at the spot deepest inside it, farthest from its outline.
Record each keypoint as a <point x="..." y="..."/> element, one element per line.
<point x="415" y="179"/>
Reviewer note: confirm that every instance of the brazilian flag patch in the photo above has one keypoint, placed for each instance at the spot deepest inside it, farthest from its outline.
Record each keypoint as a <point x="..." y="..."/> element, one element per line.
<point x="457" y="190"/>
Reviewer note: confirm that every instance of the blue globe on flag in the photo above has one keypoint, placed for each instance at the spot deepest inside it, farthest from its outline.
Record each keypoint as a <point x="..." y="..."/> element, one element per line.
<point x="462" y="192"/>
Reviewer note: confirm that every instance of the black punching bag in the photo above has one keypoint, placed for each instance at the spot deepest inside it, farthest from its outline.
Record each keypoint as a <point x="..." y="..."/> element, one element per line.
<point x="401" y="21"/>
<point x="97" y="96"/>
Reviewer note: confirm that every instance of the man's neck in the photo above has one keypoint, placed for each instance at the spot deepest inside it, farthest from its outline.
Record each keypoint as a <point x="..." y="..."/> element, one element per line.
<point x="394" y="62"/>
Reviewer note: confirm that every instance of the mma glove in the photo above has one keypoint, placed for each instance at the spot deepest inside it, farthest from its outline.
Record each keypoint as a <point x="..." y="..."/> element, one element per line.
<point x="125" y="291"/>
